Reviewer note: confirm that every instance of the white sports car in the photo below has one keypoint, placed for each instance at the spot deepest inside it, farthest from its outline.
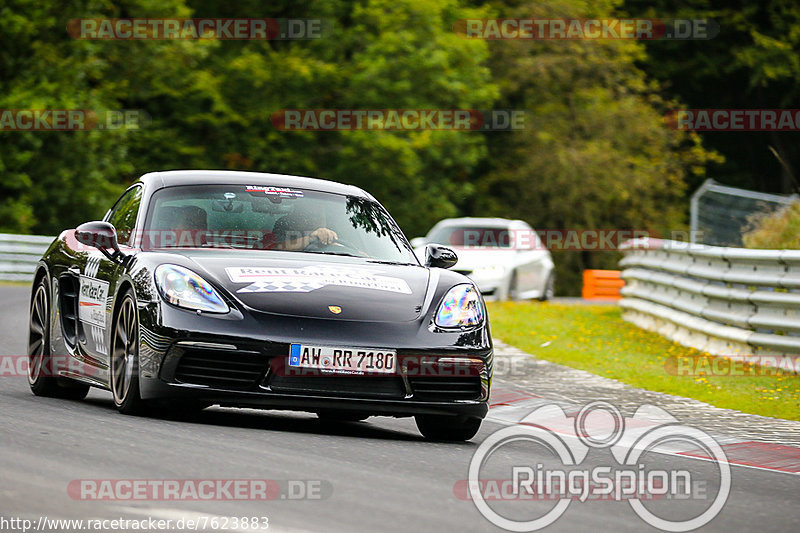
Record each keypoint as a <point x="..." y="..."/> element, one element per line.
<point x="505" y="258"/>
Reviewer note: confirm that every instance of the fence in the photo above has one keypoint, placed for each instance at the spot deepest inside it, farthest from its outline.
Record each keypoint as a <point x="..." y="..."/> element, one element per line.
<point x="720" y="214"/>
<point x="19" y="255"/>
<point x="725" y="301"/>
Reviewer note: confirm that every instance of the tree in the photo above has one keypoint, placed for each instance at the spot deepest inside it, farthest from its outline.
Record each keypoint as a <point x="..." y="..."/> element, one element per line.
<point x="211" y="102"/>
<point x="753" y="63"/>
<point x="57" y="179"/>
<point x="596" y="152"/>
<point x="382" y="54"/>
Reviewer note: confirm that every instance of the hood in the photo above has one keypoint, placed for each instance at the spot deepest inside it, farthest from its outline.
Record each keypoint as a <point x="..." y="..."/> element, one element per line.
<point x="316" y="285"/>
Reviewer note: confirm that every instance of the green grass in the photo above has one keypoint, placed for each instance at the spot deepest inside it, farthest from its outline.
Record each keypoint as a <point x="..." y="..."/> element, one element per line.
<point x="596" y="339"/>
<point x="16" y="283"/>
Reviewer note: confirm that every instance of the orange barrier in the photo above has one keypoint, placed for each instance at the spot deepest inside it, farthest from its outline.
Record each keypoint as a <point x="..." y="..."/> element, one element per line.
<point x="602" y="284"/>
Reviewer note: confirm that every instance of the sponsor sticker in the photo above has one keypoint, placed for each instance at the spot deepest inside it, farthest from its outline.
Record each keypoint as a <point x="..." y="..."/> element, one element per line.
<point x="281" y="192"/>
<point x="92" y="301"/>
<point x="311" y="278"/>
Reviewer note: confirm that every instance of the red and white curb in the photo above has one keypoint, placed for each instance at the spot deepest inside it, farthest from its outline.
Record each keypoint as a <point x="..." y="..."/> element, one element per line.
<point x="510" y="406"/>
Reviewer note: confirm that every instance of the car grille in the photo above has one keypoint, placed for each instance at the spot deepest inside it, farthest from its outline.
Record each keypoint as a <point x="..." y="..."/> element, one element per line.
<point x="443" y="389"/>
<point x="221" y="369"/>
<point x="345" y="386"/>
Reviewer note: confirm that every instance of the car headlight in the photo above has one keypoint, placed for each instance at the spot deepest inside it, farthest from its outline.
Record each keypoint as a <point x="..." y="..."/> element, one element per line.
<point x="490" y="271"/>
<point x="461" y="307"/>
<point x="182" y="287"/>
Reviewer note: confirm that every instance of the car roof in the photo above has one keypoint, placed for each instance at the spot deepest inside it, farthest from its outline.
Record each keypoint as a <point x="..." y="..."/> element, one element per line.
<point x="171" y="178"/>
<point x="479" y="221"/>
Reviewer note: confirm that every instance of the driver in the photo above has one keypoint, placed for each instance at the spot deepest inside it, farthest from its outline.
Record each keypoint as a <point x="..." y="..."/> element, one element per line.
<point x="302" y="227"/>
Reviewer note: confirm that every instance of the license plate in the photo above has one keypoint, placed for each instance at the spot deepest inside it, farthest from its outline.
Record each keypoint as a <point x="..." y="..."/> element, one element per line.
<point x="338" y="360"/>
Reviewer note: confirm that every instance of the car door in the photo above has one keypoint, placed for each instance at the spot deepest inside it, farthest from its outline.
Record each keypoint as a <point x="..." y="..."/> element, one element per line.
<point x="98" y="278"/>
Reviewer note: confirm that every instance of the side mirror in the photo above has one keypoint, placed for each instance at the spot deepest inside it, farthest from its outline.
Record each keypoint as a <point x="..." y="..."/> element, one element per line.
<point x="418" y="242"/>
<point x="100" y="235"/>
<point x="439" y="256"/>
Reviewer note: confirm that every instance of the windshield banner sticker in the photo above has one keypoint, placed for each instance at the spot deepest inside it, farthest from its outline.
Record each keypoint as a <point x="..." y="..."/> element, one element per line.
<point x="311" y="278"/>
<point x="281" y="192"/>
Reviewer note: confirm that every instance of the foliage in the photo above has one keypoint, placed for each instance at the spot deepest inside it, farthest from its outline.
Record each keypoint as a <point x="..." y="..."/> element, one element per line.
<point x="596" y="153"/>
<point x="779" y="230"/>
<point x="753" y="63"/>
<point x="210" y="103"/>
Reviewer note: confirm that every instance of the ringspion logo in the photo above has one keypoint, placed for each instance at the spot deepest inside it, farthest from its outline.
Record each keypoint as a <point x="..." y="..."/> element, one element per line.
<point x="570" y="478"/>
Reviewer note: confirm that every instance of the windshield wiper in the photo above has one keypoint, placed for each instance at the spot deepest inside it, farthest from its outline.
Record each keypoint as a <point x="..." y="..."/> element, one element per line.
<point x="381" y="262"/>
<point x="217" y="245"/>
<point x="331" y="253"/>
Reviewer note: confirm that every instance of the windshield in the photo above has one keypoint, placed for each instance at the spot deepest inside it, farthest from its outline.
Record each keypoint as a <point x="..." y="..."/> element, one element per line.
<point x="258" y="217"/>
<point x="472" y="236"/>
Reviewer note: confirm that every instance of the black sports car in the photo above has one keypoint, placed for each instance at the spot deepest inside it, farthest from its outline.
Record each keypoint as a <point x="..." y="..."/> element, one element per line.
<point x="245" y="289"/>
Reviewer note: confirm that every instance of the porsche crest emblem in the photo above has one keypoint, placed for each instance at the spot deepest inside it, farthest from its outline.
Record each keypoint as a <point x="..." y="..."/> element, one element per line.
<point x="335" y="309"/>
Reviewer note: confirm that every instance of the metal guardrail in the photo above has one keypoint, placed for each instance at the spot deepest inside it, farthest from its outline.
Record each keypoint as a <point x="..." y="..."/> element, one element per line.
<point x="19" y="255"/>
<point x="724" y="301"/>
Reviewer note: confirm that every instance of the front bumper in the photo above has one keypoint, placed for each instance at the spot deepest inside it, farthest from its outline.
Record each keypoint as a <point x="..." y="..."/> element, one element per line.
<point x="241" y="361"/>
<point x="153" y="389"/>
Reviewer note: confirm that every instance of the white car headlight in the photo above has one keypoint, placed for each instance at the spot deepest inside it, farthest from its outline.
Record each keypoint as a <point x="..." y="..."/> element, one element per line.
<point x="490" y="271"/>
<point x="461" y="307"/>
<point x="182" y="287"/>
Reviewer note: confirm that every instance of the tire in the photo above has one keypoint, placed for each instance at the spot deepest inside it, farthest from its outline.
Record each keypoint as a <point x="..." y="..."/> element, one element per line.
<point x="333" y="417"/>
<point x="549" y="288"/>
<point x="445" y="428"/>
<point x="124" y="360"/>
<point x="41" y="371"/>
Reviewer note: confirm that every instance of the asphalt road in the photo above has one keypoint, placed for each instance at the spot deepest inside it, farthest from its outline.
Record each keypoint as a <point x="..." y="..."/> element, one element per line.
<point x="377" y="475"/>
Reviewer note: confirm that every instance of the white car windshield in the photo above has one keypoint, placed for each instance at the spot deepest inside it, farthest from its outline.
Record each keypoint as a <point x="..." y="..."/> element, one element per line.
<point x="472" y="236"/>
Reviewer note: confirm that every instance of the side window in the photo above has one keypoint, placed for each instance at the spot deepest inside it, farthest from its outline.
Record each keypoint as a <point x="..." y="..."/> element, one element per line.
<point x="123" y="215"/>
